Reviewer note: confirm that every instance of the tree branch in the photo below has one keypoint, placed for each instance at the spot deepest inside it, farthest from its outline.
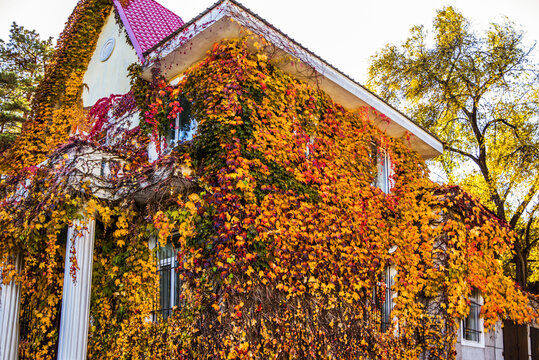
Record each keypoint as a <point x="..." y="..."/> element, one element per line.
<point x="463" y="153"/>
<point x="503" y="121"/>
<point x="524" y="203"/>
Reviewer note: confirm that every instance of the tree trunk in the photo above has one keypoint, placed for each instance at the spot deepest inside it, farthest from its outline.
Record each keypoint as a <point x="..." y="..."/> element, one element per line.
<point x="520" y="266"/>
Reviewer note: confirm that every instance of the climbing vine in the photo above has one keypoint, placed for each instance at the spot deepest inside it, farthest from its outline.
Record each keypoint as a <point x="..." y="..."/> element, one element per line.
<point x="57" y="103"/>
<point x="282" y="238"/>
<point x="284" y="249"/>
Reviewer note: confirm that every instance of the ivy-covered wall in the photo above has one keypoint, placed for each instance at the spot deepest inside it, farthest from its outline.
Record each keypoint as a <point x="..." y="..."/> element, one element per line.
<point x="281" y="250"/>
<point x="57" y="104"/>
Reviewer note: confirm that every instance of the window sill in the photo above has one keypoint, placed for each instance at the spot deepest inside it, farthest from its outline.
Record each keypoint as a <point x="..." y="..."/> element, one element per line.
<point x="475" y="344"/>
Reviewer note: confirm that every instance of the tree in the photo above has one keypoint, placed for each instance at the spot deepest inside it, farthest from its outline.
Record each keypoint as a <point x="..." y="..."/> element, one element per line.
<point x="480" y="94"/>
<point x="24" y="58"/>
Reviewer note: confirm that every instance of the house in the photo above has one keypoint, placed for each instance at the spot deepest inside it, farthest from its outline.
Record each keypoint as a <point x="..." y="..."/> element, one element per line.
<point x="233" y="195"/>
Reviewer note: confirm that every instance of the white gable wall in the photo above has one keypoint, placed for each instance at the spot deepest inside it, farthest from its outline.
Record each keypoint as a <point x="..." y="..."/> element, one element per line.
<point x="104" y="78"/>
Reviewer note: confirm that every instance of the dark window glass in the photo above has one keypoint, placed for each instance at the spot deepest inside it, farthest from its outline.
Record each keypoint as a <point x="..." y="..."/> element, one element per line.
<point x="170" y="285"/>
<point x="183" y="127"/>
<point x="471" y="324"/>
<point x="387" y="306"/>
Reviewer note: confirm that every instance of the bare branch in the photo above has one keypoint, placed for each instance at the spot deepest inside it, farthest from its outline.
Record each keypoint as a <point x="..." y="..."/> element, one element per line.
<point x="497" y="121"/>
<point x="463" y="153"/>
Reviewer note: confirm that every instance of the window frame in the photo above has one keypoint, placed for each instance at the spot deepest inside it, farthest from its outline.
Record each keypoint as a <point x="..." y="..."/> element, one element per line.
<point x="476" y="301"/>
<point x="309" y="145"/>
<point x="389" y="296"/>
<point x="161" y="313"/>
<point x="384" y="171"/>
<point x="181" y="136"/>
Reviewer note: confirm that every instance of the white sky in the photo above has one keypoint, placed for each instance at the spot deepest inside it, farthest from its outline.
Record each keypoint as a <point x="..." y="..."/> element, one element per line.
<point x="343" y="32"/>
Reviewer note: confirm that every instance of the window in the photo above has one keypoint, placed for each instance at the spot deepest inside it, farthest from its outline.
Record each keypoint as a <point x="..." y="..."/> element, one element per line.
<point x="309" y="145"/>
<point x="472" y="325"/>
<point x="170" y="285"/>
<point x="387" y="306"/>
<point x="183" y="128"/>
<point x="383" y="170"/>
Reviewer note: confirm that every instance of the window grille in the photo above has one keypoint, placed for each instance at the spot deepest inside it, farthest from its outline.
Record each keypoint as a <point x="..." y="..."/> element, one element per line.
<point x="388" y="304"/>
<point x="170" y="285"/>
<point x="472" y="327"/>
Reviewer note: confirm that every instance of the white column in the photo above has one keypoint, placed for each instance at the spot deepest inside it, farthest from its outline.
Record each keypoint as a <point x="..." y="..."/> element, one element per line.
<point x="9" y="316"/>
<point x="74" y="322"/>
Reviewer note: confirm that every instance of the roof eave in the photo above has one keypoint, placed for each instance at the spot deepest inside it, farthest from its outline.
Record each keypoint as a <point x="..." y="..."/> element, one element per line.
<point x="196" y="37"/>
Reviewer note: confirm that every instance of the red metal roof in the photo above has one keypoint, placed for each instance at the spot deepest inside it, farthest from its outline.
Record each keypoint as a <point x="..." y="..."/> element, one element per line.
<point x="147" y="22"/>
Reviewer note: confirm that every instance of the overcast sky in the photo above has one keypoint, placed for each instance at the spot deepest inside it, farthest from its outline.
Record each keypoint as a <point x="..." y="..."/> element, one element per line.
<point x="343" y="32"/>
